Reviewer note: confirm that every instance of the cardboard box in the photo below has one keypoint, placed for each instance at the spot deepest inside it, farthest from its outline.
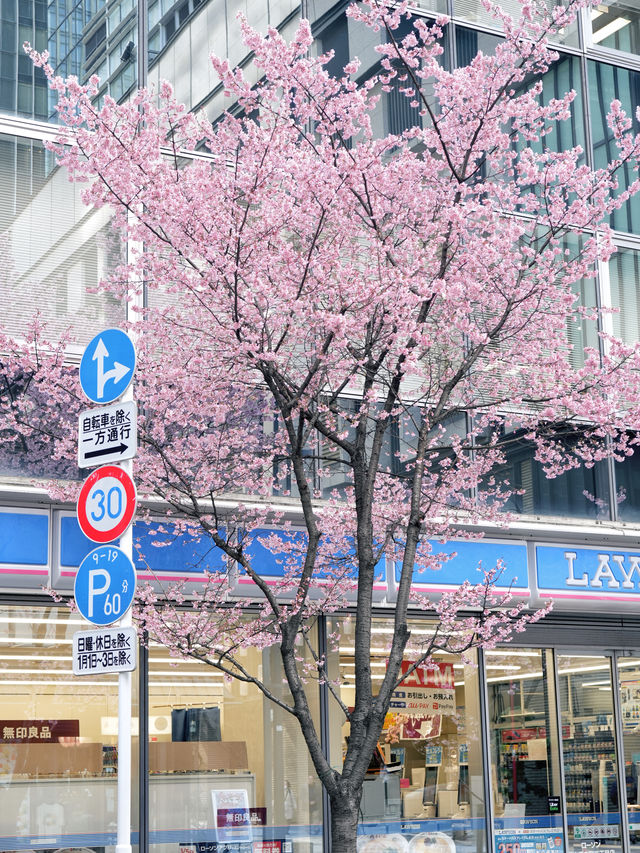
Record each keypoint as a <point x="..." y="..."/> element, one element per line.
<point x="51" y="759"/>
<point x="203" y="755"/>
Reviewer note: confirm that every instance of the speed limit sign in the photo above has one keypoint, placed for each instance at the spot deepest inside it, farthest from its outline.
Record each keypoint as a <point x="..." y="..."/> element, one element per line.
<point x="106" y="504"/>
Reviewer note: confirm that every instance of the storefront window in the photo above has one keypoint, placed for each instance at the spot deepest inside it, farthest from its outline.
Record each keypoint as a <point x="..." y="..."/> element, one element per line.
<point x="525" y="771"/>
<point x="424" y="791"/>
<point x="589" y="750"/>
<point x="58" y="737"/>
<point x="227" y="765"/>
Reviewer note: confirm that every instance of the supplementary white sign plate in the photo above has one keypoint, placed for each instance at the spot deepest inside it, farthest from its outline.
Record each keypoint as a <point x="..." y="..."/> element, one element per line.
<point x="108" y="434"/>
<point x="104" y="650"/>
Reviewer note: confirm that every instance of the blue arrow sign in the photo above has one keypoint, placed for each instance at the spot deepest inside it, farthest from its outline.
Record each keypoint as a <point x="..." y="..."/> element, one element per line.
<point x="107" y="366"/>
<point x="105" y="585"/>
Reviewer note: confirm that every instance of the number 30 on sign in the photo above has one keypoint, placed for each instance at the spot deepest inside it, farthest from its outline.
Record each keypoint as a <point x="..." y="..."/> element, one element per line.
<point x="107" y="504"/>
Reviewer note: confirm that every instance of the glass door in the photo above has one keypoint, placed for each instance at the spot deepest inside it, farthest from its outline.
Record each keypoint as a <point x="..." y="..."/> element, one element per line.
<point x="525" y="766"/>
<point x="591" y="778"/>
<point x="628" y="666"/>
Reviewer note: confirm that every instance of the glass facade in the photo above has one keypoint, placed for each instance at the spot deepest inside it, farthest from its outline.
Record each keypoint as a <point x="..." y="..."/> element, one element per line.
<point x="58" y="736"/>
<point x="524" y="745"/>
<point x="216" y="746"/>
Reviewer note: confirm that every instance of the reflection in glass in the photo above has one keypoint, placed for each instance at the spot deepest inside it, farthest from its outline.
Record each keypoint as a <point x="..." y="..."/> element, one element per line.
<point x="606" y="83"/>
<point x="588" y="744"/>
<point x="580" y="492"/>
<point x="616" y="25"/>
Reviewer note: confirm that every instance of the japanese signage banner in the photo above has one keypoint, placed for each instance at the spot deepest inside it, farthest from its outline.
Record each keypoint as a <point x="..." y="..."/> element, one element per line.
<point x="426" y="691"/>
<point x="38" y="731"/>
<point x="529" y="841"/>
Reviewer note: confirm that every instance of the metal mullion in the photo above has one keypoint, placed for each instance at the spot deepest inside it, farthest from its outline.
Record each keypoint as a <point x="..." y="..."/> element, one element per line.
<point x="486" y="751"/>
<point x="619" y="742"/>
<point x="143" y="745"/>
<point x="563" y="789"/>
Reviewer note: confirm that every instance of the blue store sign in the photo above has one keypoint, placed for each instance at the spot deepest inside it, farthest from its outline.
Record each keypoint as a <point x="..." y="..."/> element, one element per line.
<point x="467" y="560"/>
<point x="601" y="574"/>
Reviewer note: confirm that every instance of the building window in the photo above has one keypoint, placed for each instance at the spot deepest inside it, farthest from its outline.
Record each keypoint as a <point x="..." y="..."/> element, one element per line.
<point x="616" y="26"/>
<point x="606" y="83"/>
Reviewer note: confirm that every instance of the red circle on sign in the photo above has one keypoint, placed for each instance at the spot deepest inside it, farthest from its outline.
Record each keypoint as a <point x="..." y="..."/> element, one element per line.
<point x="106" y="504"/>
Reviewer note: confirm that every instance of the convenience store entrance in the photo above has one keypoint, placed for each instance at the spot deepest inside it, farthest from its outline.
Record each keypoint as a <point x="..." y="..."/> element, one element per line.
<point x="564" y="730"/>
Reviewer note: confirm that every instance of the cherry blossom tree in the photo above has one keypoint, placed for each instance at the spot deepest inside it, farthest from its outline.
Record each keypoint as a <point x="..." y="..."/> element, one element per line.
<point x="341" y="336"/>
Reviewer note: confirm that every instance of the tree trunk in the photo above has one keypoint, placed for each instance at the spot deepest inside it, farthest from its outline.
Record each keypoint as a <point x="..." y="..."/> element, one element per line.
<point x="345" y="810"/>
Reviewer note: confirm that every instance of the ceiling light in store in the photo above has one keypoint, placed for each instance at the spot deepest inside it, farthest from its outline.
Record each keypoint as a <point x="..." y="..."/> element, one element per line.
<point x="595" y="683"/>
<point x="26" y="620"/>
<point x="521" y="714"/>
<point x="212" y="687"/>
<point x="572" y="670"/>
<point x="509" y="654"/>
<point x="609" y="29"/>
<point x="605" y="688"/>
<point x="154" y="673"/>
<point x="519" y="677"/>
<point x="502" y="666"/>
<point x="350" y="650"/>
<point x="36" y="657"/>
<point x="72" y="682"/>
<point x="33" y="641"/>
<point x="35" y="671"/>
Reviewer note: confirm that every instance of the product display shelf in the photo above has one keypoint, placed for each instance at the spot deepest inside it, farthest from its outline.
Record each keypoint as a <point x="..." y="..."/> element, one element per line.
<point x="584" y="759"/>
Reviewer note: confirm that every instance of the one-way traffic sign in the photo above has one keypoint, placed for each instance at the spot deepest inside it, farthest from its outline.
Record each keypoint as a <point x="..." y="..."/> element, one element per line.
<point x="109" y="434"/>
<point x="107" y="366"/>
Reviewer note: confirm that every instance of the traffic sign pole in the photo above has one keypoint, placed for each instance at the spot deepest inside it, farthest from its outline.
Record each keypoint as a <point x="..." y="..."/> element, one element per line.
<point x="105" y="510"/>
<point x="123" y="839"/>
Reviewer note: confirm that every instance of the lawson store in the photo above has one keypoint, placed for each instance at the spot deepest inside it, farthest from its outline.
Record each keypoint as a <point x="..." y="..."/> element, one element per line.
<point x="530" y="747"/>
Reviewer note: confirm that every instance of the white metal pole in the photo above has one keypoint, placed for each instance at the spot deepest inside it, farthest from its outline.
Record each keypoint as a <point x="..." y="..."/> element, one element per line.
<point x="123" y="842"/>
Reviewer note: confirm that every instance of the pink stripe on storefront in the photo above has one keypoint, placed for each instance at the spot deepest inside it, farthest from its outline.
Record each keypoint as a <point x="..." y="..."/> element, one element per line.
<point x="554" y="593"/>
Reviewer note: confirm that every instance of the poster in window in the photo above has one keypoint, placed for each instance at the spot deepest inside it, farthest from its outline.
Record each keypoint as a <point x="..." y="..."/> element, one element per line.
<point x="231" y="816"/>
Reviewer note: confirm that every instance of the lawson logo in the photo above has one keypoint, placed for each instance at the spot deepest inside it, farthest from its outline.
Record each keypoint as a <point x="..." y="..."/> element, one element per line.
<point x="597" y="572"/>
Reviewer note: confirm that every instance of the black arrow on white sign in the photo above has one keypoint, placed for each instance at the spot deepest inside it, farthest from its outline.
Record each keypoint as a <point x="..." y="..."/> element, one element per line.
<point x="105" y="451"/>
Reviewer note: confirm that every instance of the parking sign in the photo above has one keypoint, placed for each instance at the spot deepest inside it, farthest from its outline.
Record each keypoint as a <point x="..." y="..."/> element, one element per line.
<point x="105" y="585"/>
